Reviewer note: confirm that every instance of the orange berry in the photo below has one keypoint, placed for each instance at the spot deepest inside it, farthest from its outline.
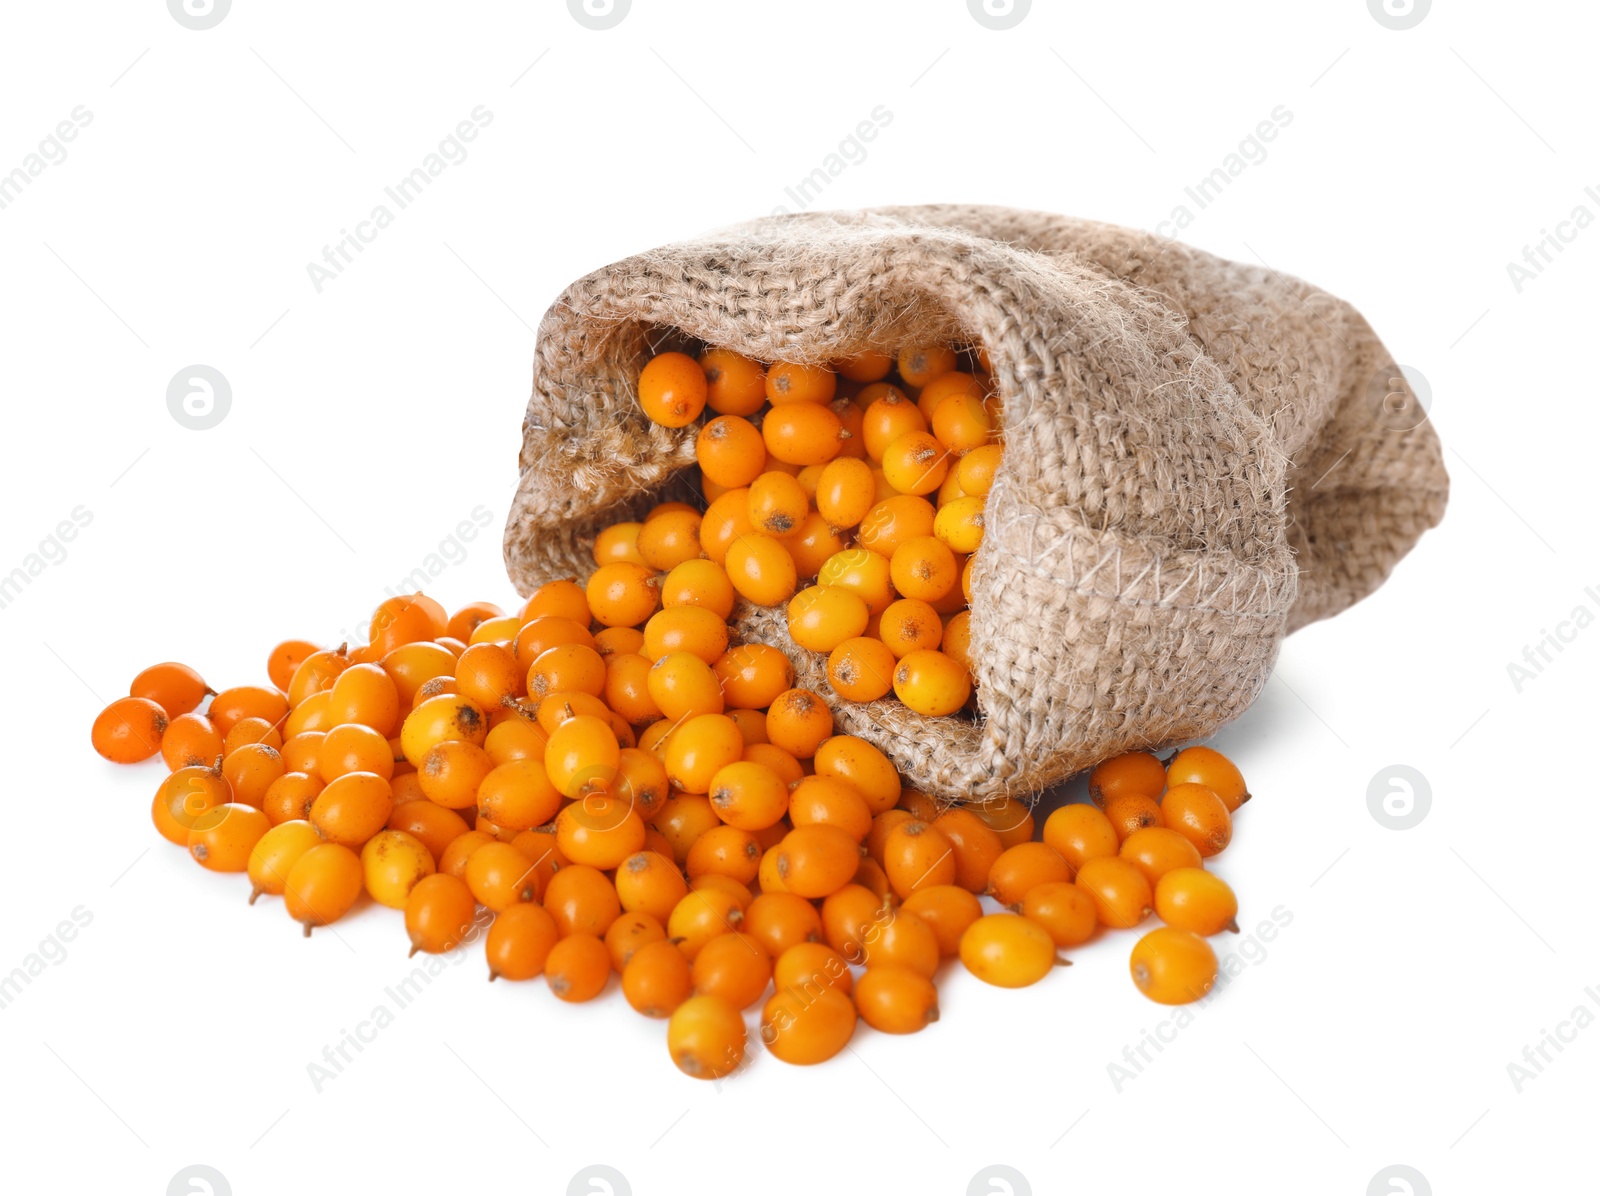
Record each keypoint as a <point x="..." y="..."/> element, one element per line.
<point x="129" y="730"/>
<point x="672" y="389"/>
<point x="910" y="625"/>
<point x="864" y="573"/>
<point x="861" y="669"/>
<point x="1191" y="898"/>
<point x="761" y="570"/>
<point x="1121" y="894"/>
<point x="706" y="1038"/>
<point x="896" y="1000"/>
<point x="824" y="801"/>
<point x="1157" y="850"/>
<point x="804" y="1031"/>
<point x="429" y="823"/>
<point x="578" y="967"/>
<point x="176" y="688"/>
<point x="948" y="910"/>
<point x="916" y="463"/>
<point x="352" y="809"/>
<point x="1080" y="832"/>
<point x="921" y="364"/>
<point x="1172" y="966"/>
<point x="699" y="583"/>
<point x="1199" y="815"/>
<point x="1007" y="950"/>
<point x="735" y="385"/>
<point x="1132" y="772"/>
<point x="1208" y="767"/>
<point x="519" y="942"/>
<point x="1066" y="912"/>
<point x="1128" y="812"/>
<point x="931" y="683"/>
<point x="323" y="885"/>
<point x="581" y="900"/>
<point x="886" y="420"/>
<point x="865" y="367"/>
<point x="791" y="382"/>
<point x="622" y="595"/>
<point x="726" y="520"/>
<point x="618" y="544"/>
<point x="730" y="451"/>
<point x="274" y="855"/>
<point x="285" y="659"/>
<point x="669" y="539"/>
<point x="735" y="967"/>
<point x="222" y="838"/>
<point x="918" y="855"/>
<point x="814" y="861"/>
<point x="440" y="914"/>
<point x="798" y="721"/>
<point x="802" y="434"/>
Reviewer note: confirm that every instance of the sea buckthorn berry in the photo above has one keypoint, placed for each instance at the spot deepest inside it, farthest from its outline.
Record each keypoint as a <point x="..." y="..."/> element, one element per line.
<point x="852" y="918"/>
<point x="618" y="545"/>
<point x="1066" y="912"/>
<point x="518" y="795"/>
<point x="247" y="701"/>
<point x="956" y="643"/>
<point x="352" y="809"/>
<point x="814" y="861"/>
<point x="682" y="818"/>
<point x="888" y="419"/>
<point x="683" y="686"/>
<point x="566" y="668"/>
<point x="250" y="772"/>
<point x="622" y="641"/>
<point x="519" y="738"/>
<point x="364" y="694"/>
<point x="698" y="583"/>
<point x="556" y="708"/>
<point x="808" y="968"/>
<point x="882" y="823"/>
<point x="129" y="730"/>
<point x="452" y="771"/>
<point x="672" y="389"/>
<point x="976" y="845"/>
<point x="1199" y="815"/>
<point x="1206" y="766"/>
<point x="582" y="756"/>
<point x="1157" y="850"/>
<point x="850" y="419"/>
<point x="864" y="573"/>
<point x="500" y="876"/>
<point x="410" y="665"/>
<point x="539" y="635"/>
<point x="499" y="630"/>
<point x="845" y="491"/>
<point x="440" y="914"/>
<point x="316" y="673"/>
<point x="191" y="739"/>
<point x="824" y="801"/>
<point x="962" y="423"/>
<point x="718" y="882"/>
<point x="916" y="463"/>
<point x="183" y="797"/>
<point x="1121" y="895"/>
<point x="823" y="617"/>
<point x="578" y="967"/>
<point x="865" y="366"/>
<point x="657" y="979"/>
<point x="176" y="688"/>
<point x="692" y="629"/>
<point x="291" y="797"/>
<point x="923" y="567"/>
<point x="776" y="505"/>
<point x="947" y="385"/>
<point x="649" y="882"/>
<point x="813" y="544"/>
<point x="630" y="933"/>
<point x="896" y="1000"/>
<point x="519" y="942"/>
<point x="792" y="382"/>
<point x="1197" y="900"/>
<point x="1132" y="772"/>
<point x="599" y="830"/>
<point x="1128" y="812"/>
<point x="903" y="940"/>
<point x="706" y="1038"/>
<point x="798" y="721"/>
<point x="803" y="434"/>
<point x="802" y="1031"/>
<point x="285" y="659"/>
<point x="627" y="687"/>
<point x="275" y="854"/>
<point x="975" y="471"/>
<point x="748" y="795"/>
<point x="959" y="524"/>
<point x="354" y="747"/>
<point x="917" y="855"/>
<point x="1080" y="832"/>
<point x="1172" y="966"/>
<point x="669" y="539"/>
<point x="446" y="718"/>
<point x="454" y="860"/>
<point x="623" y="595"/>
<point x="894" y="520"/>
<point x="1007" y="950"/>
<point x="251" y="731"/>
<point x="727" y="519"/>
<point x="465" y="620"/>
<point x="730" y="451"/>
<point x="861" y="669"/>
<point x="488" y="674"/>
<point x="948" y="910"/>
<point x="428" y="823"/>
<point x="931" y="683"/>
<point x="701" y="915"/>
<point x="702" y="746"/>
<point x="392" y="864"/>
<point x="322" y="886"/>
<point x="735" y="385"/>
<point x="779" y="921"/>
<point x="910" y="625"/>
<point x="1023" y="867"/>
<point x="735" y="967"/>
<point x="921" y="364"/>
<point x="863" y="767"/>
<point x="761" y="569"/>
<point x="223" y="837"/>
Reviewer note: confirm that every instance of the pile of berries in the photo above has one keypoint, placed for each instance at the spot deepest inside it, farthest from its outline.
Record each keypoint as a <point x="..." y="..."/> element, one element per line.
<point x="853" y="493"/>
<point x="624" y="792"/>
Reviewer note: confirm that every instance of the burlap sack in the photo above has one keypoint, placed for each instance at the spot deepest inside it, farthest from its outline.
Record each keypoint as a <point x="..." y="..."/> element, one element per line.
<point x="1201" y="456"/>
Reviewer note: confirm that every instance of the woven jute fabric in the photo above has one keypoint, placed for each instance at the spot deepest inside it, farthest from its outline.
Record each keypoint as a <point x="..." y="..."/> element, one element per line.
<point x="1200" y="457"/>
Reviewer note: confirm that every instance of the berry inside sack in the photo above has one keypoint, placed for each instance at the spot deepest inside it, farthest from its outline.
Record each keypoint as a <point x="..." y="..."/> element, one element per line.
<point x="1196" y="457"/>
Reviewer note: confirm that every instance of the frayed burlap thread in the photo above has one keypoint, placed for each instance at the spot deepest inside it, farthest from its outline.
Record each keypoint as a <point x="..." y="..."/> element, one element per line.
<point x="1201" y="456"/>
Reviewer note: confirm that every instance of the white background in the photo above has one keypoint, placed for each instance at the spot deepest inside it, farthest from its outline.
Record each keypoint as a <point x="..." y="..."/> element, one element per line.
<point x="369" y="419"/>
